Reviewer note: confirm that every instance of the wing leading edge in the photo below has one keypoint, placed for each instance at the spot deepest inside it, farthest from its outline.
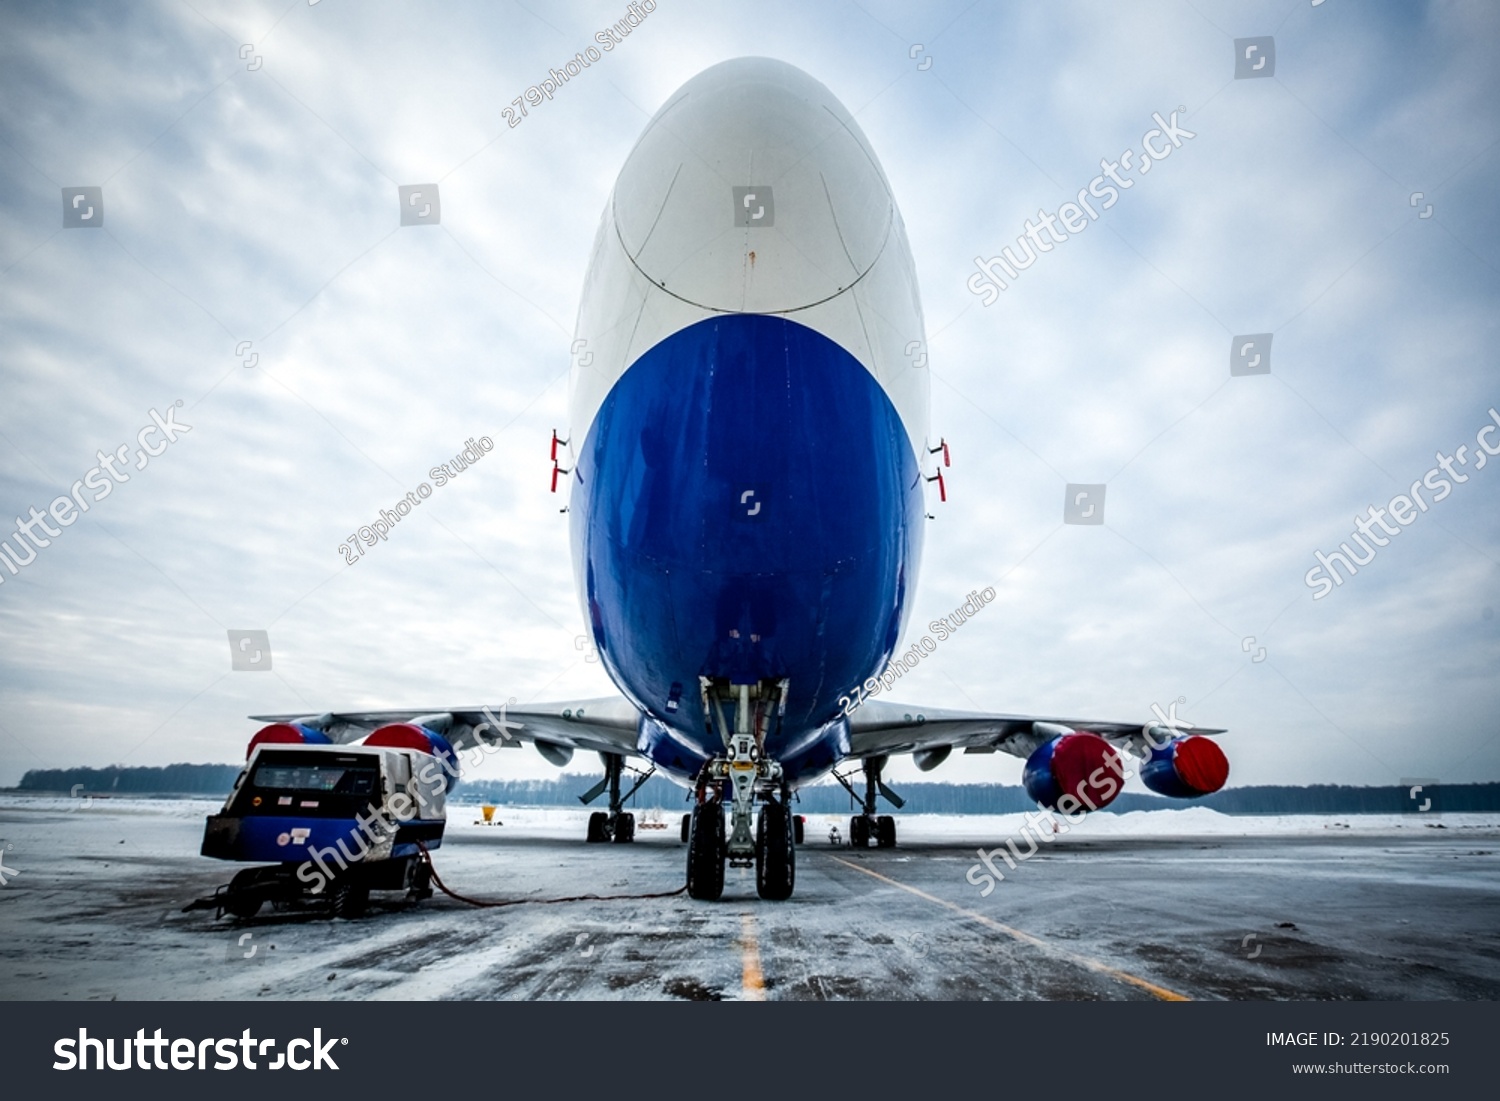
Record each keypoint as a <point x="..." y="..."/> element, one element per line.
<point x="608" y="724"/>
<point x="882" y="728"/>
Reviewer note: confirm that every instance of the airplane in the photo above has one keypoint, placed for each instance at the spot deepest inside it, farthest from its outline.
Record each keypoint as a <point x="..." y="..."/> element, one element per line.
<point x="748" y="475"/>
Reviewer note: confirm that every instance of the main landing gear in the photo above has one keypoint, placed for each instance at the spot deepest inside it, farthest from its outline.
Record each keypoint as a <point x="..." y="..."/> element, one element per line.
<point x="869" y="826"/>
<point x="615" y="824"/>
<point x="747" y="775"/>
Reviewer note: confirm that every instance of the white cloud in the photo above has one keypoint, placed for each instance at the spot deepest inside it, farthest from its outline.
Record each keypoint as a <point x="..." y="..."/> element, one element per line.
<point x="259" y="205"/>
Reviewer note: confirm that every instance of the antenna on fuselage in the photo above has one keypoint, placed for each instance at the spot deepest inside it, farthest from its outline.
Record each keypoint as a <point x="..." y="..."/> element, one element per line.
<point x="938" y="477"/>
<point x="556" y="468"/>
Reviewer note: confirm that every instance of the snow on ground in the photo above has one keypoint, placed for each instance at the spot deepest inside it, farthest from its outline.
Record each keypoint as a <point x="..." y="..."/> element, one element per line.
<point x="1186" y="822"/>
<point x="1340" y="907"/>
<point x="561" y="822"/>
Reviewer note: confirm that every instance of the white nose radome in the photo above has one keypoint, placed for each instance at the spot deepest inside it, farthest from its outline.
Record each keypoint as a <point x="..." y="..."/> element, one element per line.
<point x="753" y="190"/>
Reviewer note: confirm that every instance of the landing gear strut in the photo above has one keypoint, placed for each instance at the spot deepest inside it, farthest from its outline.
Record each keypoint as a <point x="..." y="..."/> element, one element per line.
<point x="743" y="775"/>
<point x="868" y="826"/>
<point x="615" y="824"/>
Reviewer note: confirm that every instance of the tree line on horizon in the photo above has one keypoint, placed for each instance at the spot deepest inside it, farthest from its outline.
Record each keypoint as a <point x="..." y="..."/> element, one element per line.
<point x="825" y="798"/>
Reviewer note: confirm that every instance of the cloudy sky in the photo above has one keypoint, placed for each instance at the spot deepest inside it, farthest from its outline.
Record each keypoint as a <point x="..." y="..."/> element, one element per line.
<point x="249" y="155"/>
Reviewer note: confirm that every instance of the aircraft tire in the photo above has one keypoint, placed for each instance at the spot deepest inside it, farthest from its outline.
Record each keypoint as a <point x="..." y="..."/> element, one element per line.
<point x="775" y="853"/>
<point x="598" y="828"/>
<point x="859" y="832"/>
<point x="624" y="829"/>
<point x="705" y="858"/>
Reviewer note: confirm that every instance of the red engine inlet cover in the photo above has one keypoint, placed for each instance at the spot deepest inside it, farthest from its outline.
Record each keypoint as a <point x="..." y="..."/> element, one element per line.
<point x="1201" y="764"/>
<point x="1088" y="768"/>
<point x="284" y="734"/>
<point x="401" y="736"/>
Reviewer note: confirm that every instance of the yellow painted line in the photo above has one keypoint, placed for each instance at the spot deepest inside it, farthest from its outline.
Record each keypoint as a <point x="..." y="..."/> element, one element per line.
<point x="1026" y="938"/>
<point x="750" y="977"/>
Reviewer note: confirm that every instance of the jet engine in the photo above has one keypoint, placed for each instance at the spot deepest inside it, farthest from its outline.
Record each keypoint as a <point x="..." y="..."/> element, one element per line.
<point x="286" y="734"/>
<point x="1186" y="768"/>
<point x="412" y="736"/>
<point x="1078" y="764"/>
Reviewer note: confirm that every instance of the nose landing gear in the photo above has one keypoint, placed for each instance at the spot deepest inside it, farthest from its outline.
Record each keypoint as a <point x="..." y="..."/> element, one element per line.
<point x="746" y="775"/>
<point x="705" y="862"/>
<point x="775" y="853"/>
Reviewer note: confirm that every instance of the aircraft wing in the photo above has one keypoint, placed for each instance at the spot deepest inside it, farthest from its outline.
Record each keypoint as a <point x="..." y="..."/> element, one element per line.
<point x="608" y="724"/>
<point x="883" y="727"/>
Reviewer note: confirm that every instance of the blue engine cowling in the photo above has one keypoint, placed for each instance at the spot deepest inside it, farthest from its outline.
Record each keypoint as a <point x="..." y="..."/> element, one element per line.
<point x="1186" y="768"/>
<point x="1081" y="765"/>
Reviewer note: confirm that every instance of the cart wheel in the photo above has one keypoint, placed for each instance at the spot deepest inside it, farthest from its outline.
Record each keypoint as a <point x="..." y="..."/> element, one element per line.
<point x="349" y="899"/>
<point x="241" y="900"/>
<point x="420" y="882"/>
<point x="242" y="905"/>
